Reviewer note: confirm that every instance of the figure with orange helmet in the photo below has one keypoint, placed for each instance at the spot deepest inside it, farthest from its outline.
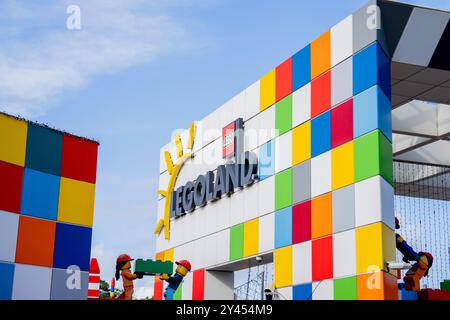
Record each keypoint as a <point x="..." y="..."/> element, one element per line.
<point x="123" y="268"/>
<point x="183" y="267"/>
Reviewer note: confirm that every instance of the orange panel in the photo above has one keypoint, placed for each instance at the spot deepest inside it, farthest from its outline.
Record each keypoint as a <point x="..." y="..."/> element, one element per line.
<point x="320" y="55"/>
<point x="377" y="286"/>
<point x="321" y="216"/>
<point x="35" y="241"/>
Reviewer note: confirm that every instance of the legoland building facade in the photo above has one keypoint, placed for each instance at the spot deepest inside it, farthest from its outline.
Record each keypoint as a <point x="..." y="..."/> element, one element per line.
<point x="323" y="126"/>
<point x="47" y="191"/>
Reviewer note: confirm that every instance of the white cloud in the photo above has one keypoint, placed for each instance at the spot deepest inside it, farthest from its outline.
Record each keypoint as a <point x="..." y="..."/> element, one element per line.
<point x="40" y="57"/>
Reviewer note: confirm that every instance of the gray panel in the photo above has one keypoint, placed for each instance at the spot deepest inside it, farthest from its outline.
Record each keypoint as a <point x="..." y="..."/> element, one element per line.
<point x="62" y="291"/>
<point x="31" y="282"/>
<point x="344" y="209"/>
<point x="342" y="82"/>
<point x="9" y="223"/>
<point x="301" y="182"/>
<point x="362" y="34"/>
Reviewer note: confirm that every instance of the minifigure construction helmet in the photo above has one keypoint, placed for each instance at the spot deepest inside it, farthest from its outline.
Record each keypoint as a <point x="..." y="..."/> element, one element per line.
<point x="124" y="258"/>
<point x="185" y="264"/>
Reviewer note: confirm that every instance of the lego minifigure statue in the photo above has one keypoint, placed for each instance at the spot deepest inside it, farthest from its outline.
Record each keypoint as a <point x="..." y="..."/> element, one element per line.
<point x="123" y="268"/>
<point x="424" y="261"/>
<point x="183" y="267"/>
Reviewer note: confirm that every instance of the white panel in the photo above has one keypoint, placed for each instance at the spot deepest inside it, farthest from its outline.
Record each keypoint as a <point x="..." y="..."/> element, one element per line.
<point x="226" y="114"/>
<point x="301" y="105"/>
<point x="266" y="195"/>
<point x="341" y="41"/>
<point x="285" y="293"/>
<point x="302" y="263"/>
<point x="219" y="285"/>
<point x="162" y="160"/>
<point x="186" y="292"/>
<point x="9" y="225"/>
<point x="189" y="226"/>
<point x="31" y="282"/>
<point x="210" y="128"/>
<point x="321" y="174"/>
<point x="238" y="103"/>
<point x="223" y="246"/>
<point x="223" y="213"/>
<point x="237" y="207"/>
<point x="251" y="133"/>
<point x="266" y="232"/>
<point x="267" y="130"/>
<point x="422" y="32"/>
<point x="211" y="218"/>
<point x="251" y="201"/>
<point x="283" y="152"/>
<point x="374" y="202"/>
<point x="323" y="290"/>
<point x="252" y="100"/>
<point x="198" y="139"/>
<point x="344" y="254"/>
<point x="199" y="253"/>
<point x="199" y="215"/>
<point x="210" y="253"/>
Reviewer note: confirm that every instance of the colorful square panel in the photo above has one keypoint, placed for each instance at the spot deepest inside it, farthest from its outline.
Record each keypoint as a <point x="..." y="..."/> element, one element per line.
<point x="40" y="194"/>
<point x="35" y="242"/>
<point x="10" y="187"/>
<point x="251" y="238"/>
<point x="321" y="134"/>
<point x="283" y="79"/>
<point x="341" y="82"/>
<point x="72" y="246"/>
<point x="79" y="159"/>
<point x="322" y="258"/>
<point x="301" y="68"/>
<point x="267" y="90"/>
<point x="370" y="67"/>
<point x="345" y="289"/>
<point x="321" y="216"/>
<point x="283" y="189"/>
<point x="321" y="174"/>
<point x="283" y="267"/>
<point x="377" y="286"/>
<point x="44" y="149"/>
<point x="320" y="94"/>
<point x="283" y="228"/>
<point x="342" y="123"/>
<point x="344" y="209"/>
<point x="13" y="140"/>
<point x="302" y="292"/>
<point x="301" y="222"/>
<point x="301" y="182"/>
<point x="236" y="242"/>
<point x="6" y="280"/>
<point x="372" y="110"/>
<point x="373" y="156"/>
<point x="344" y="254"/>
<point x="302" y="263"/>
<point x="266" y="160"/>
<point x="301" y="105"/>
<point x="31" y="282"/>
<point x="158" y="289"/>
<point x="9" y="226"/>
<point x="62" y="288"/>
<point x="198" y="285"/>
<point x="283" y="115"/>
<point x="76" y="202"/>
<point x="342" y="166"/>
<point x="301" y="143"/>
<point x="320" y="55"/>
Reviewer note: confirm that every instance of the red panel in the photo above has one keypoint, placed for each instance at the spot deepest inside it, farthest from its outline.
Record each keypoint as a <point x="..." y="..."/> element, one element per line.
<point x="198" y="285"/>
<point x="11" y="177"/>
<point x="342" y="123"/>
<point x="283" y="79"/>
<point x="301" y="222"/>
<point x="322" y="258"/>
<point x="321" y="94"/>
<point x="158" y="290"/>
<point x="79" y="159"/>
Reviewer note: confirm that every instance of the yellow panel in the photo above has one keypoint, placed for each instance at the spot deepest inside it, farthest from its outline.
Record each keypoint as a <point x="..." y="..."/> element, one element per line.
<point x="369" y="248"/>
<point x="76" y="202"/>
<point x="251" y="237"/>
<point x="342" y="166"/>
<point x="168" y="255"/>
<point x="13" y="140"/>
<point x="283" y="267"/>
<point x="267" y="90"/>
<point x="301" y="143"/>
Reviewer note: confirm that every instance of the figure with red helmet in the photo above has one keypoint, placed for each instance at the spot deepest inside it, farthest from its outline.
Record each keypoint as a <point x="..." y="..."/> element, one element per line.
<point x="123" y="268"/>
<point x="183" y="267"/>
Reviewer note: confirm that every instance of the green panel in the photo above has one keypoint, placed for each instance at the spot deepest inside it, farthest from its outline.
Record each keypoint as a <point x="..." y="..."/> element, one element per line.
<point x="237" y="242"/>
<point x="177" y="293"/>
<point x="345" y="289"/>
<point x="283" y="189"/>
<point x="373" y="156"/>
<point x="283" y="115"/>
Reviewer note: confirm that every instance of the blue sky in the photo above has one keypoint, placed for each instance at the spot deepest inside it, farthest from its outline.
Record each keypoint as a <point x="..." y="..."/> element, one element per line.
<point x="136" y="71"/>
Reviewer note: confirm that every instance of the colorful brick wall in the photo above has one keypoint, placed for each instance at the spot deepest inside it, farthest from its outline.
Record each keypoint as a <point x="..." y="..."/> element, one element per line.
<point x="324" y="201"/>
<point x="47" y="189"/>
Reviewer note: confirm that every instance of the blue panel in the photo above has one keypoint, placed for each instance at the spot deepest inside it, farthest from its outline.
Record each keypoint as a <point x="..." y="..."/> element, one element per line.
<point x="301" y="68"/>
<point x="266" y="160"/>
<point x="321" y="134"/>
<point x="283" y="227"/>
<point x="371" y="66"/>
<point x="6" y="280"/>
<point x="44" y="149"/>
<point x="372" y="110"/>
<point x="40" y="194"/>
<point x="302" y="292"/>
<point x="72" y="246"/>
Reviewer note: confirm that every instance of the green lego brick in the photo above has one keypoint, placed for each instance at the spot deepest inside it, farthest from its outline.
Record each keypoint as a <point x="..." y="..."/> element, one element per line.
<point x="150" y="267"/>
<point x="237" y="242"/>
<point x="177" y="294"/>
<point x="283" y="189"/>
<point x="283" y="115"/>
<point x="445" y="285"/>
<point x="345" y="289"/>
<point x="373" y="156"/>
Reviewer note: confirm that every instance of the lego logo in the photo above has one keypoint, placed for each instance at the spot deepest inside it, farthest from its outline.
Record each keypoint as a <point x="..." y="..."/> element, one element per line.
<point x="228" y="140"/>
